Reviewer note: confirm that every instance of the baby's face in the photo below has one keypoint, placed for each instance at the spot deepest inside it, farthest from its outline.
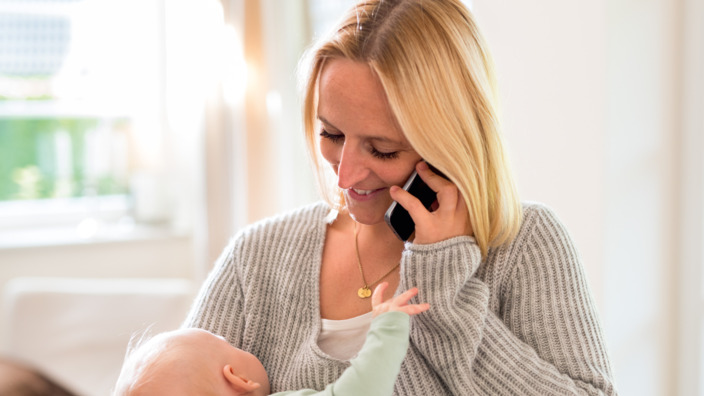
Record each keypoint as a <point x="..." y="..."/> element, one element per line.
<point x="196" y="362"/>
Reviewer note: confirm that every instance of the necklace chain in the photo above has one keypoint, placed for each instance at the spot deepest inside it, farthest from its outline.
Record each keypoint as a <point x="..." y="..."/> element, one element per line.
<point x="365" y="291"/>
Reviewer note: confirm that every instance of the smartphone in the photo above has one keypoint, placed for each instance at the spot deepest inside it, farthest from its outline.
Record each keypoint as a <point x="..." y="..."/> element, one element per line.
<point x="398" y="218"/>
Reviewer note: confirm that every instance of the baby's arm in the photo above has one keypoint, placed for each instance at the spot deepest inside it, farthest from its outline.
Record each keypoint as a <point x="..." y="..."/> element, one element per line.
<point x="374" y="370"/>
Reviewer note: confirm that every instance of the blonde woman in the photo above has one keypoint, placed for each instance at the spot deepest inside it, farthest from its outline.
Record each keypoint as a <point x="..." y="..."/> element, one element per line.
<point x="399" y="83"/>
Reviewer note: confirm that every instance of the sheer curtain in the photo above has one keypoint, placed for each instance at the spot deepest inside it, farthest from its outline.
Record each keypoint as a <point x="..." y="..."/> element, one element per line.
<point x="253" y="159"/>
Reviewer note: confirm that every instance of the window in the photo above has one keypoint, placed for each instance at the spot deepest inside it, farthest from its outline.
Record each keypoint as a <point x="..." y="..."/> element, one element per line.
<point x="81" y="104"/>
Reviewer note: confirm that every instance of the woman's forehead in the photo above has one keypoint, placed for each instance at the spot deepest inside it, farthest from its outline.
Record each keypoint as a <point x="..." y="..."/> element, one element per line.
<point x="352" y="100"/>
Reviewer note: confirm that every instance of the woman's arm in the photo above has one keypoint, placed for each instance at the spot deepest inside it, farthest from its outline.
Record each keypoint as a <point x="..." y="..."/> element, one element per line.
<point x="218" y="305"/>
<point x="547" y="340"/>
<point x="449" y="334"/>
<point x="548" y="322"/>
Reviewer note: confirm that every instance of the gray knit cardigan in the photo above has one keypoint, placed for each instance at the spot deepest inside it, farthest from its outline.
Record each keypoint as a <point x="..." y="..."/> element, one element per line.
<point x="520" y="322"/>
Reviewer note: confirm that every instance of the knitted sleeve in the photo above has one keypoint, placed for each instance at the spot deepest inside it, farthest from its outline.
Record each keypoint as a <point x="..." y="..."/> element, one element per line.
<point x="449" y="333"/>
<point x="546" y="338"/>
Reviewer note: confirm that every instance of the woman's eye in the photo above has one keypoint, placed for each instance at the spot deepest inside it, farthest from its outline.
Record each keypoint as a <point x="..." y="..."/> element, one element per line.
<point x="335" y="138"/>
<point x="339" y="137"/>
<point x="382" y="155"/>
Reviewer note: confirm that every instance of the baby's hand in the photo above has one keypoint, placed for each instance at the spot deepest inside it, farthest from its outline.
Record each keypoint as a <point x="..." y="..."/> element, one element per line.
<point x="398" y="303"/>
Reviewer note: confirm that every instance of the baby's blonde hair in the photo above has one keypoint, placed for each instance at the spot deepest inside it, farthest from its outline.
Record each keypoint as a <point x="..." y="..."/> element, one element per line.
<point x="439" y="79"/>
<point x="147" y="357"/>
<point x="137" y="356"/>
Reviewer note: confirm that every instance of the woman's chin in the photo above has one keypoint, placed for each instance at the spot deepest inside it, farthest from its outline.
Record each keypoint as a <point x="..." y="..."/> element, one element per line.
<point x="366" y="220"/>
<point x="367" y="217"/>
<point x="368" y="212"/>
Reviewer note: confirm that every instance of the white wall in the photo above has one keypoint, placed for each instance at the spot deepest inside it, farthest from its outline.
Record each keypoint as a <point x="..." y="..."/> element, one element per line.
<point x="642" y="146"/>
<point x="592" y="93"/>
<point x="551" y="63"/>
<point x="690" y="372"/>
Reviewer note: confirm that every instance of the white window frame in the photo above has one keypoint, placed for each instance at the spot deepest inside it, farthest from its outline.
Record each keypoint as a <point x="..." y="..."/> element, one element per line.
<point x="58" y="214"/>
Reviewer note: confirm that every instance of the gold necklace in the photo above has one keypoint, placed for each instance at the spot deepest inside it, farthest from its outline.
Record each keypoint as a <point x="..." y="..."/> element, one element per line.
<point x="365" y="291"/>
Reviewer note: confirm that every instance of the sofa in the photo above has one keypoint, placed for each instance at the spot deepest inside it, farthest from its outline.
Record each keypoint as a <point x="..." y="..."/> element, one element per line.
<point x="76" y="330"/>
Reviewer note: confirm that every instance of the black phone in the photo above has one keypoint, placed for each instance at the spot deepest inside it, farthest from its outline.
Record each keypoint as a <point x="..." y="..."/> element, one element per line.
<point x="398" y="218"/>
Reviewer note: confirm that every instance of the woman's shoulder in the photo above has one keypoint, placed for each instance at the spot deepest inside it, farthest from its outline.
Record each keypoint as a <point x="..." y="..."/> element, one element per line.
<point x="290" y="223"/>
<point x="540" y="227"/>
<point x="533" y="211"/>
<point x="542" y="235"/>
<point x="299" y="228"/>
<point x="539" y="219"/>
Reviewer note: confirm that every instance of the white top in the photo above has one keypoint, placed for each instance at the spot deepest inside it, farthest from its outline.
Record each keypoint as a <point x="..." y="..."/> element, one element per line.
<point x="342" y="339"/>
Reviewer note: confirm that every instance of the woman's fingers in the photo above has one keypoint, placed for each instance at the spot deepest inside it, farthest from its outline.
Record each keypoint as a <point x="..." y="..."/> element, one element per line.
<point x="450" y="219"/>
<point x="445" y="190"/>
<point x="412" y="204"/>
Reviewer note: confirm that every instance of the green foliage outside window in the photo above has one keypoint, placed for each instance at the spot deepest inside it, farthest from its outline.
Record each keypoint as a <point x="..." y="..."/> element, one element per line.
<point x="46" y="158"/>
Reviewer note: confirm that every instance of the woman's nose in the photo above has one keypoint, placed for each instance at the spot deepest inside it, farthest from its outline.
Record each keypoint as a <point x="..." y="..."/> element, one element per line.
<point x="351" y="169"/>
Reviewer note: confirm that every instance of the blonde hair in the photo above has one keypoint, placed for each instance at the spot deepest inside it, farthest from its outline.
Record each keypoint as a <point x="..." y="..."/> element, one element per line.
<point x="439" y="80"/>
<point x="143" y="350"/>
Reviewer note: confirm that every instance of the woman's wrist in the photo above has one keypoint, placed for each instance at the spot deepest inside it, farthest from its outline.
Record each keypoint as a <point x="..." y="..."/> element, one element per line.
<point x="429" y="247"/>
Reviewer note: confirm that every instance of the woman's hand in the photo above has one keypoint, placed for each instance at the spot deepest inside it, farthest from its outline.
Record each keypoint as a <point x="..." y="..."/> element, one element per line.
<point x="448" y="220"/>
<point x="398" y="303"/>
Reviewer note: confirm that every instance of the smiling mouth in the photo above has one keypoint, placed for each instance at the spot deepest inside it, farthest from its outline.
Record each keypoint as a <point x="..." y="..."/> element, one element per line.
<point x="362" y="192"/>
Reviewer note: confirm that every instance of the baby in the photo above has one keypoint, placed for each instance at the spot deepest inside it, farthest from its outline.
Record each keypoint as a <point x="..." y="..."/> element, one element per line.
<point x="196" y="362"/>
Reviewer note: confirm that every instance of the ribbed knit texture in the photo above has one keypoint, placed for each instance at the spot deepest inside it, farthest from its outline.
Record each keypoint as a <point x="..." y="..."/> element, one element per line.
<point x="521" y="322"/>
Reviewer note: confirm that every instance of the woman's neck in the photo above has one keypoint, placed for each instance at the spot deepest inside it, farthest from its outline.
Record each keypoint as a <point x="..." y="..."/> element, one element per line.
<point x="380" y="233"/>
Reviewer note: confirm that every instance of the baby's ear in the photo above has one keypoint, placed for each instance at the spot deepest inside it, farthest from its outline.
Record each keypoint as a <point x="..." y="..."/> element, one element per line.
<point x="239" y="382"/>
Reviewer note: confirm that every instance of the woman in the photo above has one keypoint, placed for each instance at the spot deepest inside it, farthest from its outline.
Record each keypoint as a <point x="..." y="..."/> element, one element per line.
<point x="397" y="84"/>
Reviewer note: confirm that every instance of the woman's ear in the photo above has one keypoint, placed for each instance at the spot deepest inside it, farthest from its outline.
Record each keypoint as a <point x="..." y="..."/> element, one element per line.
<point x="239" y="382"/>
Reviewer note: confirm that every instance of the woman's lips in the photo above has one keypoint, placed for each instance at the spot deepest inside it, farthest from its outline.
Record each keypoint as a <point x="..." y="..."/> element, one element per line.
<point x="363" y="195"/>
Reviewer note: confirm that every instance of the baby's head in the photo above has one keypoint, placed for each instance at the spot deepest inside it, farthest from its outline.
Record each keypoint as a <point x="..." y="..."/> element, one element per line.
<point x="191" y="362"/>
